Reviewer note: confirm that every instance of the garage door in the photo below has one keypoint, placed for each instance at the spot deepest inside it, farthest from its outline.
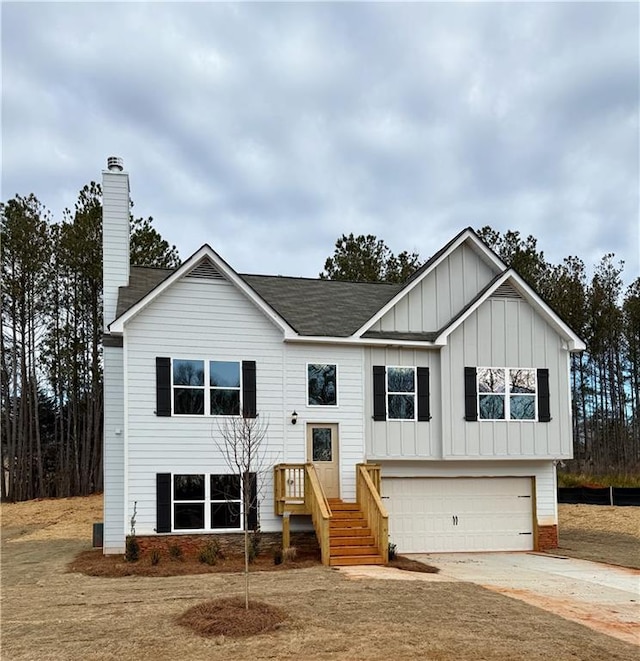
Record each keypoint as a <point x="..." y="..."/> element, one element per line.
<point x="459" y="514"/>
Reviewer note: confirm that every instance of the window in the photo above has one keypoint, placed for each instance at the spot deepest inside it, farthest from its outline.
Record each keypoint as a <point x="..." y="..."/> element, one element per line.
<point x="322" y="384"/>
<point x="401" y="393"/>
<point x="224" y="379"/>
<point x="219" y="395"/>
<point x="506" y="393"/>
<point x="207" y="504"/>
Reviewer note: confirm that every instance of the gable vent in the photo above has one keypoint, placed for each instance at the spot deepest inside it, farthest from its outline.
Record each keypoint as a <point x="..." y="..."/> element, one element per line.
<point x="506" y="290"/>
<point x="205" y="269"/>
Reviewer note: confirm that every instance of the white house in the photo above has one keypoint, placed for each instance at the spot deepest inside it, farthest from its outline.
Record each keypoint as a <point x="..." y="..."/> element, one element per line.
<point x="448" y="394"/>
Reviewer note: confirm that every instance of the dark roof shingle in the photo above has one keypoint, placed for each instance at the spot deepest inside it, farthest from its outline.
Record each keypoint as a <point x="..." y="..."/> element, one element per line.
<point x="311" y="307"/>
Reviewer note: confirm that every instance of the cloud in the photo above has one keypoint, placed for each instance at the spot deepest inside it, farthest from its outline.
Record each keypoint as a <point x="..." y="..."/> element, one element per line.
<point x="268" y="130"/>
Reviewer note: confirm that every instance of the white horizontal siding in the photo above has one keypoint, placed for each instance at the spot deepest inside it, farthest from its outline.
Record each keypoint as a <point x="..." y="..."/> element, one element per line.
<point x="403" y="439"/>
<point x="199" y="319"/>
<point x="114" y="438"/>
<point x="542" y="471"/>
<point x="505" y="333"/>
<point x="348" y="414"/>
<point x="441" y="294"/>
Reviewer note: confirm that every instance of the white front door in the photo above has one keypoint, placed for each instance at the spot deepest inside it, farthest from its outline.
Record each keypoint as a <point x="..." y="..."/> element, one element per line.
<point x="430" y="515"/>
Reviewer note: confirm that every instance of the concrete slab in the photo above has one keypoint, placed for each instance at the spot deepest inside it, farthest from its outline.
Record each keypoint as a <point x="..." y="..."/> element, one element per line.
<point x="603" y="597"/>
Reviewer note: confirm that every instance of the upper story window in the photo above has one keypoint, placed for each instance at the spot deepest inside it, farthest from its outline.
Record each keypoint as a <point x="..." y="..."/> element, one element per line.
<point x="401" y="393"/>
<point x="506" y="393"/>
<point x="322" y="384"/>
<point x="217" y="394"/>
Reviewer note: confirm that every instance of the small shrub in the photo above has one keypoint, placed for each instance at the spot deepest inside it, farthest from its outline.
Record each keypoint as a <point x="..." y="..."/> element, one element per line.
<point x="392" y="551"/>
<point x="211" y="552"/>
<point x="289" y="554"/>
<point x="175" y="552"/>
<point x="132" y="549"/>
<point x="154" y="557"/>
<point x="277" y="556"/>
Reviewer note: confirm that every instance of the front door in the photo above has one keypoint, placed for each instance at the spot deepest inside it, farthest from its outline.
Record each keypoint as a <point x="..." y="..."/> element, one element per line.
<point x="322" y="451"/>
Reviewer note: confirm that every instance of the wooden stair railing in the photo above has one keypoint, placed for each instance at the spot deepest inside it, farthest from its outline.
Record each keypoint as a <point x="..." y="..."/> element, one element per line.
<point x="319" y="509"/>
<point x="297" y="490"/>
<point x="369" y="501"/>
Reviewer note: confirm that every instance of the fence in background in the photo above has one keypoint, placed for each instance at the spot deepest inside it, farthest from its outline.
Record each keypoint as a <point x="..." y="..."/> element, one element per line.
<point x="606" y="496"/>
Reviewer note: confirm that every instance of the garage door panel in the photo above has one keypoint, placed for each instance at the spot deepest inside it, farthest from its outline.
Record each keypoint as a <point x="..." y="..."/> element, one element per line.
<point x="459" y="514"/>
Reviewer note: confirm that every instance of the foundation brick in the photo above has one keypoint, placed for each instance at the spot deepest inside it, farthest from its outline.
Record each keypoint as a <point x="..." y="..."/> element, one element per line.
<point x="547" y="537"/>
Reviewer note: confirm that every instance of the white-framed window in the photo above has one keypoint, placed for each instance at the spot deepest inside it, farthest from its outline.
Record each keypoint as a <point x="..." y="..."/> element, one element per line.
<point x="206" y="387"/>
<point x="322" y="384"/>
<point x="401" y="393"/>
<point x="507" y="393"/>
<point x="206" y="502"/>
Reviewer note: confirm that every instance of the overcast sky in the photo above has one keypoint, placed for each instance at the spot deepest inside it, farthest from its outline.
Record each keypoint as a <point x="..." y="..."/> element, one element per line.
<point x="268" y="130"/>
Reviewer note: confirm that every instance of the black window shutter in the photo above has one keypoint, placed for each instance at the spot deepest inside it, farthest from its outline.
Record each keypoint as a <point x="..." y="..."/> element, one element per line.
<point x="163" y="386"/>
<point x="379" y="393"/>
<point x="252" y="518"/>
<point x="163" y="502"/>
<point x="470" y="395"/>
<point x="249" y="389"/>
<point x="544" y="400"/>
<point x="424" y="407"/>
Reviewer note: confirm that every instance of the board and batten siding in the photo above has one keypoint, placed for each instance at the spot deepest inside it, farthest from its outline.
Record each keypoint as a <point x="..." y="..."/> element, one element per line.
<point x="544" y="473"/>
<point x="441" y="294"/>
<point x="505" y="333"/>
<point x="403" y="439"/>
<point x="197" y="319"/>
<point x="348" y="414"/>
<point x="114" y="435"/>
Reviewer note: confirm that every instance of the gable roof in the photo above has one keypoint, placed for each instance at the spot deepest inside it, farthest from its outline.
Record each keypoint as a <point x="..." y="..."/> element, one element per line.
<point x="311" y="307"/>
<point x="574" y="343"/>
<point x="467" y="235"/>
<point x="305" y="307"/>
<point x="204" y="261"/>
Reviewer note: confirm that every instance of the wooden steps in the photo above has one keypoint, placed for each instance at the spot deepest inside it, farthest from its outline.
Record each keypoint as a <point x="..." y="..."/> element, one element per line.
<point x="350" y="538"/>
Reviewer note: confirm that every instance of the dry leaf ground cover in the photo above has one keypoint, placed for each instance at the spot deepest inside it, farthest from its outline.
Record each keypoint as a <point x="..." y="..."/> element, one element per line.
<point x="49" y="613"/>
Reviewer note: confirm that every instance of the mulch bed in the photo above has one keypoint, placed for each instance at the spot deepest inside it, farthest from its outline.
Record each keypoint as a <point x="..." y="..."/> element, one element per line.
<point x="229" y="617"/>
<point x="407" y="564"/>
<point x="94" y="563"/>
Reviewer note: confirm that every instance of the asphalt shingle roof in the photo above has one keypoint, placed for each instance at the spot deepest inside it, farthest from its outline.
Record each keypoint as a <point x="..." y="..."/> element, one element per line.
<point x="312" y="307"/>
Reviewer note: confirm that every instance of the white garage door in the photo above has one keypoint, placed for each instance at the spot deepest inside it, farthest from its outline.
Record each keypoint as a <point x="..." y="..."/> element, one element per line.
<point x="459" y="514"/>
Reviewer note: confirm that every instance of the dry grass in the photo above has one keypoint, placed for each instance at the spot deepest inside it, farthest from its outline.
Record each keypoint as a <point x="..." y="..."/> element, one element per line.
<point x="229" y="617"/>
<point x="52" y="518"/>
<point x="600" y="533"/>
<point x="49" y="613"/>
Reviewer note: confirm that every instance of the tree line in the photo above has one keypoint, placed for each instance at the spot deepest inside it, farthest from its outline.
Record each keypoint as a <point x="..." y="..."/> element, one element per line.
<point x="51" y="397"/>
<point x="605" y="379"/>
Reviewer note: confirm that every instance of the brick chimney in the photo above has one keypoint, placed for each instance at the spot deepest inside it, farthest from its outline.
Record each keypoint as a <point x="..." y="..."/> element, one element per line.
<point x="115" y="235"/>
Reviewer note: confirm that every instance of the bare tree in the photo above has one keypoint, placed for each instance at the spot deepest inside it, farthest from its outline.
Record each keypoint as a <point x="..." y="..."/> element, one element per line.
<point x="241" y="443"/>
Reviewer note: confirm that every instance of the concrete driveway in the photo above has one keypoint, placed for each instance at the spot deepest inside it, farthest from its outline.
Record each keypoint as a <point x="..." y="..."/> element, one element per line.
<point x="603" y="597"/>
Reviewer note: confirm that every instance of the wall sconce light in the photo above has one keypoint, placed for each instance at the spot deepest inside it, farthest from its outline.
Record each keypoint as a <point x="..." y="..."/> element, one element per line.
<point x="294" y="418"/>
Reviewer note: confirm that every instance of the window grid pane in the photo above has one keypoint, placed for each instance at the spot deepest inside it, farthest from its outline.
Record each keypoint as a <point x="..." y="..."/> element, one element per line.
<point x="507" y="393"/>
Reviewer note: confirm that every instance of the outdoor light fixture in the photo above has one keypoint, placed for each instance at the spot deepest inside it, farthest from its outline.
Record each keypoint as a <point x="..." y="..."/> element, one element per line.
<point x="294" y="418"/>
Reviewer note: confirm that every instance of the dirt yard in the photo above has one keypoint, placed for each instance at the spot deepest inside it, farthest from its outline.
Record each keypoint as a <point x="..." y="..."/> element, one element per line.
<point x="601" y="534"/>
<point x="49" y="613"/>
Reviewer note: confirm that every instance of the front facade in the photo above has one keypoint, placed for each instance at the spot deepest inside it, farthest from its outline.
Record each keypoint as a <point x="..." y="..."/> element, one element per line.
<point x="456" y="384"/>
